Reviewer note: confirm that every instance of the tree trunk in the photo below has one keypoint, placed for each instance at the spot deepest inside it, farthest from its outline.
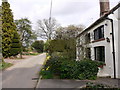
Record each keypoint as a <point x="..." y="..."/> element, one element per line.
<point x="21" y="52"/>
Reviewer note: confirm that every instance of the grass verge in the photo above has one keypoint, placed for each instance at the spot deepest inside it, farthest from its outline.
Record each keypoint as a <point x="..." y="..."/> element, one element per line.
<point x="5" y="65"/>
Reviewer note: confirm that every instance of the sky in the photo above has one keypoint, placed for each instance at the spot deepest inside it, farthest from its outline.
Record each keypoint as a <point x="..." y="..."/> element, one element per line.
<point x="66" y="12"/>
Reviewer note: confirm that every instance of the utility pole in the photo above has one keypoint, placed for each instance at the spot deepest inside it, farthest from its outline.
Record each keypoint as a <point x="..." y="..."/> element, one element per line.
<point x="50" y="20"/>
<point x="50" y="12"/>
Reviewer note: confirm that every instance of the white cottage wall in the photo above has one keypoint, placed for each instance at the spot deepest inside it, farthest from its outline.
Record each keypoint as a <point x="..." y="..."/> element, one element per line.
<point x="108" y="69"/>
<point x="118" y="42"/>
<point x="116" y="19"/>
<point x="118" y="48"/>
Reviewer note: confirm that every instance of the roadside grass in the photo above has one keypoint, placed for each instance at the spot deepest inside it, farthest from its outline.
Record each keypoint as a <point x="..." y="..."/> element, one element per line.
<point x="4" y="65"/>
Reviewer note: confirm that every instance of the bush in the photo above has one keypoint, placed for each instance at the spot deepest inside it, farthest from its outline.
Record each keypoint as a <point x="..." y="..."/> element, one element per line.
<point x="67" y="48"/>
<point x="66" y="69"/>
<point x="46" y="74"/>
<point x="71" y="69"/>
<point x="38" y="46"/>
<point x="54" y="64"/>
<point x="85" y="69"/>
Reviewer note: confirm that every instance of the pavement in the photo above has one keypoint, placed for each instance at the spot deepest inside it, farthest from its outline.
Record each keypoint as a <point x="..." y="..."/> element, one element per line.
<point x="57" y="83"/>
<point x="75" y="84"/>
<point x="113" y="83"/>
<point x="23" y="74"/>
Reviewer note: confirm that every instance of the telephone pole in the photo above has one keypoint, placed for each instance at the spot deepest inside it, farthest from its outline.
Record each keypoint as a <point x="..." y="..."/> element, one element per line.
<point x="50" y="12"/>
<point x="50" y="20"/>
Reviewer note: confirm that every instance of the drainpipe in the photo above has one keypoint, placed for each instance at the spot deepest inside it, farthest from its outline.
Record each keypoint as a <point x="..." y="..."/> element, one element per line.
<point x="113" y="44"/>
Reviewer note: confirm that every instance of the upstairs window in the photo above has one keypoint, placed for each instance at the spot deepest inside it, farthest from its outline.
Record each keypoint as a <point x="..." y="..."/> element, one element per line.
<point x="99" y="33"/>
<point x="87" y="38"/>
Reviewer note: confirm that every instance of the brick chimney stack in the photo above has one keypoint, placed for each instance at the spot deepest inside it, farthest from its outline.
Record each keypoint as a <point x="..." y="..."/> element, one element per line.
<point x="4" y="0"/>
<point x="104" y="7"/>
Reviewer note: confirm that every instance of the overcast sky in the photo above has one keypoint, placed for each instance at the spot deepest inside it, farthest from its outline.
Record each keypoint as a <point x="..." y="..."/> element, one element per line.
<point x="66" y="12"/>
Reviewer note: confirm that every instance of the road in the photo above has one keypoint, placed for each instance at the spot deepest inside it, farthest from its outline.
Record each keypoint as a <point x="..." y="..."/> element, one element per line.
<point x="22" y="74"/>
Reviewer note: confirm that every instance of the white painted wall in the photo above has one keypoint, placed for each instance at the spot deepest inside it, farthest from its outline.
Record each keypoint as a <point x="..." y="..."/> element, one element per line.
<point x="116" y="18"/>
<point x="108" y="70"/>
<point x="118" y="48"/>
<point x="118" y="13"/>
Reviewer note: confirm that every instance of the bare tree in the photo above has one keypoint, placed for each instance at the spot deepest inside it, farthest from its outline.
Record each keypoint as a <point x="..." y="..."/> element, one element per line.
<point x="71" y="31"/>
<point x="47" y="28"/>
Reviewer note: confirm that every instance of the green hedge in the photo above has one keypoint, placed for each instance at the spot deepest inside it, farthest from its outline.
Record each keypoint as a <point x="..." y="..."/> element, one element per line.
<point x="71" y="69"/>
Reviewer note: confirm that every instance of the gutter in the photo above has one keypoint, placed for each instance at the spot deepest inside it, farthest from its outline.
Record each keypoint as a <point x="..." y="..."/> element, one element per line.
<point x="113" y="44"/>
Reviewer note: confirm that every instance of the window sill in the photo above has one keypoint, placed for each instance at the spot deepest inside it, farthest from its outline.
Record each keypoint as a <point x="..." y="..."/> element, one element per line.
<point x="98" y="40"/>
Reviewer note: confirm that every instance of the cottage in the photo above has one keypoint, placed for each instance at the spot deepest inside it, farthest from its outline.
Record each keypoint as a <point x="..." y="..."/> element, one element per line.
<point x="100" y="41"/>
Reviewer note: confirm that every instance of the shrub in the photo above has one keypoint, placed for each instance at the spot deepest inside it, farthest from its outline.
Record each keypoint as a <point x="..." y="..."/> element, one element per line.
<point x="66" y="69"/>
<point x="54" y="64"/>
<point x="71" y="69"/>
<point x="46" y="74"/>
<point x="38" y="46"/>
<point x="85" y="69"/>
<point x="67" y="48"/>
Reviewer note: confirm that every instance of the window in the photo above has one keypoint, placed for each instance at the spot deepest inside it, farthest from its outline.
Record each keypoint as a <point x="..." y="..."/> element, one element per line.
<point x="99" y="33"/>
<point x="100" y="53"/>
<point x="88" y="53"/>
<point x="87" y="38"/>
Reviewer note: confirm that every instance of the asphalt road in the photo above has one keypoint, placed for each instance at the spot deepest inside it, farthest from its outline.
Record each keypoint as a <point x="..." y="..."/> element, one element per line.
<point x="23" y="74"/>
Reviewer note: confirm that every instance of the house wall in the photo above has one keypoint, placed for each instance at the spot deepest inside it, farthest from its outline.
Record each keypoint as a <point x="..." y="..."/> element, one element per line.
<point x="108" y="70"/>
<point x="119" y="43"/>
<point x="119" y="49"/>
<point x="116" y="21"/>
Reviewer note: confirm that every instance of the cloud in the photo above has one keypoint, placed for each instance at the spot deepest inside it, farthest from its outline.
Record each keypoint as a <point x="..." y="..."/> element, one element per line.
<point x="65" y="11"/>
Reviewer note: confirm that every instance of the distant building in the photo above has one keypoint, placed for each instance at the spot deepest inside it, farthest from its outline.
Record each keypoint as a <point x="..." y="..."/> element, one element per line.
<point x="101" y="41"/>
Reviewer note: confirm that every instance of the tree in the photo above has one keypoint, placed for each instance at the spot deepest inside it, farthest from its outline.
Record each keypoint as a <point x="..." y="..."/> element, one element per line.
<point x="25" y="31"/>
<point x="27" y="35"/>
<point x="65" y="41"/>
<point x="47" y="45"/>
<point x="71" y="31"/>
<point x="47" y="28"/>
<point x="8" y="29"/>
<point x="0" y="34"/>
<point x="66" y="48"/>
<point x="38" y="46"/>
<point x="16" y="45"/>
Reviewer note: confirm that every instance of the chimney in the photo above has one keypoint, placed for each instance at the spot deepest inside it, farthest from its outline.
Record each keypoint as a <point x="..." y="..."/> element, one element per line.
<point x="4" y="0"/>
<point x="104" y="7"/>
